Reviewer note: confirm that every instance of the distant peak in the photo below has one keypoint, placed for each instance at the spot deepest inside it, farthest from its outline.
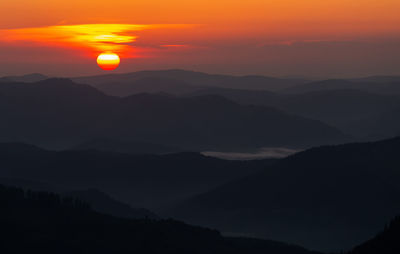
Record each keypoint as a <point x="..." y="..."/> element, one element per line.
<point x="18" y="146"/>
<point x="29" y="78"/>
<point x="34" y="75"/>
<point x="66" y="80"/>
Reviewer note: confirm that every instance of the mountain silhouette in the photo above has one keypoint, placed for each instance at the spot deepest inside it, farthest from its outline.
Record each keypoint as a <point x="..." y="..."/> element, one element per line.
<point x="360" y="113"/>
<point x="149" y="181"/>
<point x="348" y="110"/>
<point x="103" y="203"/>
<point x="42" y="222"/>
<point x="27" y="184"/>
<point x="386" y="79"/>
<point x="181" y="80"/>
<point x="29" y="78"/>
<point x="150" y="84"/>
<point x="99" y="201"/>
<point x="378" y="85"/>
<point x="386" y="242"/>
<point x="58" y="113"/>
<point x="328" y="198"/>
<point x="125" y="147"/>
<point x="384" y="124"/>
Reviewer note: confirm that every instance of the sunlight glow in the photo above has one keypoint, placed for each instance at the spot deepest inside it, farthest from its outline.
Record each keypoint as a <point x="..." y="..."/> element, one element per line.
<point x="108" y="61"/>
<point x="95" y="37"/>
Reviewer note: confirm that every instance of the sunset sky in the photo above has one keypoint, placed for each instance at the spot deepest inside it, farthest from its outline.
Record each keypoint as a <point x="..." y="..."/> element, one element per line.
<point x="314" y="38"/>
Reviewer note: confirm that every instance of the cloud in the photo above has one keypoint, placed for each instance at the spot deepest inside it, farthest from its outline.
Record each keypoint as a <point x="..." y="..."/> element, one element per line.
<point x="264" y="153"/>
<point x="118" y="38"/>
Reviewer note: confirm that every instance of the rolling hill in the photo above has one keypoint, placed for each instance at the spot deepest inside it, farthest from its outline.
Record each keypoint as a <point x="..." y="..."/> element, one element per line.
<point x="125" y="147"/>
<point x="41" y="222"/>
<point x="328" y="198"/>
<point x="58" y="113"/>
<point x="386" y="242"/>
<point x="380" y="85"/>
<point x="360" y="113"/>
<point x="150" y="84"/>
<point x="29" y="78"/>
<point x="99" y="201"/>
<point x="103" y="203"/>
<point x="147" y="181"/>
<point x="178" y="81"/>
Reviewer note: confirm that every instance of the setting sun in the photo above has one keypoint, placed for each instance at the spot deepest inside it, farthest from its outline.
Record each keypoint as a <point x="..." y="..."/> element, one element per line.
<point x="108" y="61"/>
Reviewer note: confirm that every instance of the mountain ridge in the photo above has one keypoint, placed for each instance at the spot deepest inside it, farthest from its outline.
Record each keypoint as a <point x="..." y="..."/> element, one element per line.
<point x="328" y="198"/>
<point x="43" y="222"/>
<point x="61" y="114"/>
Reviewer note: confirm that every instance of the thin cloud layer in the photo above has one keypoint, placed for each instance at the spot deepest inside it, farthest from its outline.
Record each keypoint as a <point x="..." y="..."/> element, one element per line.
<point x="97" y="38"/>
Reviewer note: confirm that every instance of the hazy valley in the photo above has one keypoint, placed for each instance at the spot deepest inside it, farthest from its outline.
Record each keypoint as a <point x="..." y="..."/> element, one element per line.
<point x="289" y="160"/>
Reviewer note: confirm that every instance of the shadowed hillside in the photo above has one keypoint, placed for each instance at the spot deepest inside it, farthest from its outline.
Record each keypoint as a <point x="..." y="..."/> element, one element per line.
<point x="181" y="81"/>
<point x="123" y="87"/>
<point x="329" y="198"/>
<point x="386" y="242"/>
<point x="58" y="113"/>
<point x="125" y="147"/>
<point x="40" y="222"/>
<point x="360" y="113"/>
<point x="381" y="85"/>
<point x="141" y="180"/>
<point x="33" y="77"/>
<point x="103" y="203"/>
<point x="99" y="201"/>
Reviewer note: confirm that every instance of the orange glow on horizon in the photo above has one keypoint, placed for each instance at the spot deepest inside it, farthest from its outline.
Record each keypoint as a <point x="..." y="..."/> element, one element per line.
<point x="93" y="38"/>
<point x="272" y="37"/>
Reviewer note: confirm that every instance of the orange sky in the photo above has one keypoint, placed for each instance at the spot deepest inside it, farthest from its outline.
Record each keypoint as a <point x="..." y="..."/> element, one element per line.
<point x="271" y="37"/>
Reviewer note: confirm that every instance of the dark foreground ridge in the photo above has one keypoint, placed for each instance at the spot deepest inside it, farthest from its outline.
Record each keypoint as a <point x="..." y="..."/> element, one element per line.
<point x="140" y="180"/>
<point x="386" y="242"/>
<point x="327" y="198"/>
<point x="41" y="222"/>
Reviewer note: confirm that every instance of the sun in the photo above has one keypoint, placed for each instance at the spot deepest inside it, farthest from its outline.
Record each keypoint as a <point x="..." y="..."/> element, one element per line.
<point x="108" y="61"/>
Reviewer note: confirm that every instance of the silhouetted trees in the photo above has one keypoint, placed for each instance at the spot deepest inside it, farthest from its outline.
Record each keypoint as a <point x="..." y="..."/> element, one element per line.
<point x="386" y="242"/>
<point x="42" y="222"/>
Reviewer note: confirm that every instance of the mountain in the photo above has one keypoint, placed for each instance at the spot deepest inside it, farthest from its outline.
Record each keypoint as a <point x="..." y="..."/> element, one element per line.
<point x="41" y="222"/>
<point x="326" y="198"/>
<point x="352" y="111"/>
<point x="54" y="112"/>
<point x="145" y="85"/>
<point x="29" y="78"/>
<point x="125" y="147"/>
<point x="27" y="184"/>
<point x="243" y="96"/>
<point x="180" y="81"/>
<point x="149" y="181"/>
<point x="99" y="201"/>
<point x="373" y="85"/>
<point x="378" y="79"/>
<point x="215" y="123"/>
<point x="360" y="113"/>
<point x="102" y="203"/>
<point x="386" y="242"/>
<point x="321" y="85"/>
<point x="59" y="113"/>
<point x="386" y="123"/>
